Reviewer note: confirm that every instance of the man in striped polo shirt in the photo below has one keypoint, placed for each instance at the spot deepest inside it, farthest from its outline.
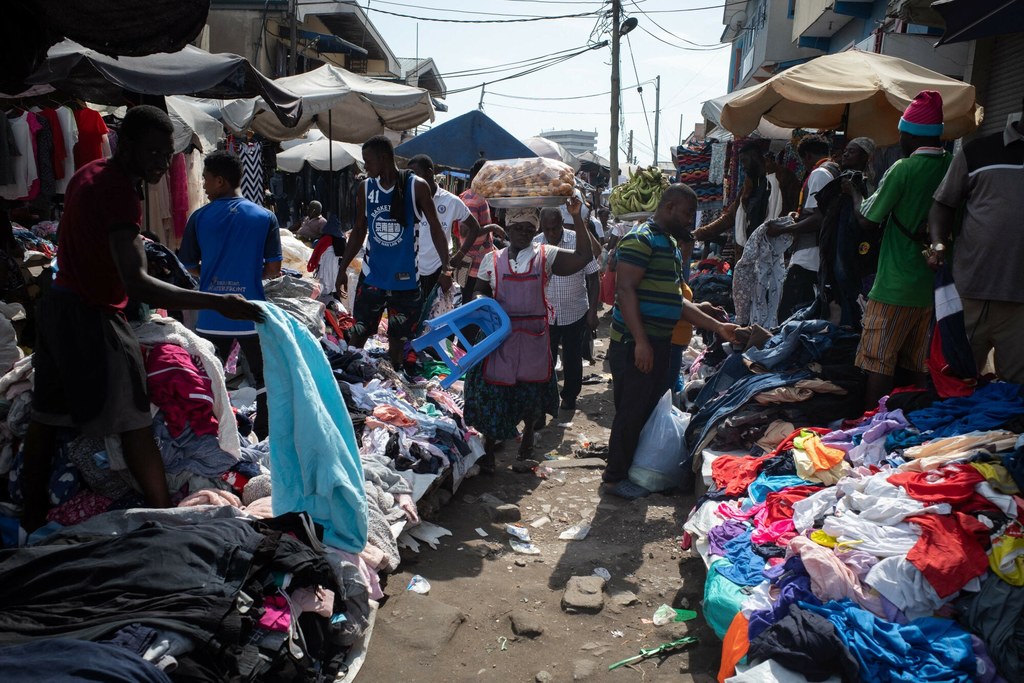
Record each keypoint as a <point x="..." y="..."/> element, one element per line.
<point x="648" y="304"/>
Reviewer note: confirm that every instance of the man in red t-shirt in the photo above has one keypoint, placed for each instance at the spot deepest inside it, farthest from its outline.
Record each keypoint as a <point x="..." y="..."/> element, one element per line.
<point x="89" y="372"/>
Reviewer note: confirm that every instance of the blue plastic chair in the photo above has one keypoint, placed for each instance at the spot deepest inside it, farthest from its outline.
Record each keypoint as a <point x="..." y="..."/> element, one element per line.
<point x="484" y="313"/>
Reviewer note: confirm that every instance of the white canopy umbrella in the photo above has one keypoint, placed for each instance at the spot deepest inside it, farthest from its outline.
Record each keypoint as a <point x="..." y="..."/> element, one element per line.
<point x="712" y="112"/>
<point x="320" y="153"/>
<point x="193" y="126"/>
<point x="236" y="114"/>
<point x="346" y="106"/>
<point x="549" y="149"/>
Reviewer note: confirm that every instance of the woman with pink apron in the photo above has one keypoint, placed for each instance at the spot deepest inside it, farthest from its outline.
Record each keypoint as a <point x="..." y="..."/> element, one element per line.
<point x="516" y="383"/>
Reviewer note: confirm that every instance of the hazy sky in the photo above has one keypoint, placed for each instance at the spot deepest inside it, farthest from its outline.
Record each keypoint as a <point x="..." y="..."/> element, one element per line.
<point x="688" y="77"/>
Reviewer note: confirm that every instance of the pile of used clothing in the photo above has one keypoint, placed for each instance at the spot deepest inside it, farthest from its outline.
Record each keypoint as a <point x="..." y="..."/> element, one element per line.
<point x="803" y="375"/>
<point x="890" y="547"/>
<point x="353" y="446"/>
<point x="182" y="594"/>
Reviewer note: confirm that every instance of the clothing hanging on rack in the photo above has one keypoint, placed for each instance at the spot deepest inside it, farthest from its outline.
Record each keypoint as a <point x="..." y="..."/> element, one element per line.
<point x="59" y="153"/>
<point x="251" y="154"/>
<point x="178" y="180"/>
<point x="69" y="129"/>
<point x="91" y="130"/>
<point x="159" y="219"/>
<point x="194" y="180"/>
<point x="8" y="152"/>
<point x="25" y="171"/>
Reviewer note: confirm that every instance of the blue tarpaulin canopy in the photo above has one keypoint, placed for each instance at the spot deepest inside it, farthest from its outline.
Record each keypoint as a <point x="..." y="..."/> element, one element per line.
<point x="460" y="142"/>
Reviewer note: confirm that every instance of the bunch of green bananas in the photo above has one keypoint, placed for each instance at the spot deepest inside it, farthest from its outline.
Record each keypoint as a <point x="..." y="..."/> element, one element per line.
<point x="641" y="192"/>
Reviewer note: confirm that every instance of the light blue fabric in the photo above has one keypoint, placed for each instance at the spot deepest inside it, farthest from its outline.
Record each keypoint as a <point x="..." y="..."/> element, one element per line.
<point x="742" y="565"/>
<point x="760" y="488"/>
<point x="314" y="459"/>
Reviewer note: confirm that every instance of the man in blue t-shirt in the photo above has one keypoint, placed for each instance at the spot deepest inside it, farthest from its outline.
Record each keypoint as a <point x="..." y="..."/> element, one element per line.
<point x="233" y="245"/>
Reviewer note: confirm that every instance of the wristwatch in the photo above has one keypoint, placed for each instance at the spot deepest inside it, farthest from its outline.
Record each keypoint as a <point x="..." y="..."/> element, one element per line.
<point x="938" y="246"/>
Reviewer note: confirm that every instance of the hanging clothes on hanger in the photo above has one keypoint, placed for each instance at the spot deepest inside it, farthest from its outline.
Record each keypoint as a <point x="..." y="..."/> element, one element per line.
<point x="159" y="219"/>
<point x="69" y="129"/>
<point x="91" y="131"/>
<point x="194" y="179"/>
<point x="26" y="173"/>
<point x="251" y="154"/>
<point x="44" y="162"/>
<point x="60" y="153"/>
<point x="178" y="181"/>
<point x="8" y="151"/>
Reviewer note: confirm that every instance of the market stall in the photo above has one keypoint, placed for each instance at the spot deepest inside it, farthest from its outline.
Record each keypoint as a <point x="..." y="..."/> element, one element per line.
<point x="353" y="447"/>
<point x="860" y="93"/>
<point x="890" y="541"/>
<point x="344" y="106"/>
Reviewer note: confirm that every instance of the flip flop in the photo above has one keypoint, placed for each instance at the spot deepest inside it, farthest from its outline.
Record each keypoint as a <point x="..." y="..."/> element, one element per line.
<point x="628" y="490"/>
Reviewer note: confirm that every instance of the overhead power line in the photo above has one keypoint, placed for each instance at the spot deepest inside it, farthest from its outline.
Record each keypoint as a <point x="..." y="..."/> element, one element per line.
<point x="683" y="47"/>
<point x="497" y="68"/>
<point x="531" y="70"/>
<point x="522" y="19"/>
<point x="677" y="37"/>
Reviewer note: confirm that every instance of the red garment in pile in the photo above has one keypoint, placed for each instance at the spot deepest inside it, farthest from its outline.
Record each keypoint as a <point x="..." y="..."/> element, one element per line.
<point x="183" y="393"/>
<point x="735" y="473"/>
<point x="943" y="537"/>
<point x="953" y="484"/>
<point x="778" y="505"/>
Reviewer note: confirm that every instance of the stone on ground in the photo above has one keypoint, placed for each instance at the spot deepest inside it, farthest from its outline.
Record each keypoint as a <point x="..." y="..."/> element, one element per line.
<point x="526" y="624"/>
<point x="504" y="513"/>
<point x="584" y="594"/>
<point x="583" y="669"/>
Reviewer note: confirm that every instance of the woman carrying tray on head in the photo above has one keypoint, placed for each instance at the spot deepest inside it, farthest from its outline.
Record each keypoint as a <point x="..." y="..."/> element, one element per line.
<point x="517" y="383"/>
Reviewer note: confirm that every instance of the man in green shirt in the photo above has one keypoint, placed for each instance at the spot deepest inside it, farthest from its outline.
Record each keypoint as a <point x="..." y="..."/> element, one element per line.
<point x="898" y="316"/>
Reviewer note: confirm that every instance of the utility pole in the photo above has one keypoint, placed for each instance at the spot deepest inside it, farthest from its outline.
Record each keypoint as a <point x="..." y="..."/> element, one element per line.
<point x="483" y="89"/>
<point x="629" y="148"/>
<point x="680" y="129"/>
<point x="657" y="116"/>
<point x="293" y="52"/>
<point x="613" y="151"/>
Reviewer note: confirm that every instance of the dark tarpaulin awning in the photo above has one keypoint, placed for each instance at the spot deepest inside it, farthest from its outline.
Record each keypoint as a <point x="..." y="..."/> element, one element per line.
<point x="460" y="142"/>
<point x="125" y="27"/>
<point x="112" y="27"/>
<point x="976" y="19"/>
<point x="91" y="76"/>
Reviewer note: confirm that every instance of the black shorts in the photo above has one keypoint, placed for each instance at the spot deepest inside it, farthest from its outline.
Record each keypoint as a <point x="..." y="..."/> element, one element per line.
<point x="403" y="306"/>
<point x="89" y="371"/>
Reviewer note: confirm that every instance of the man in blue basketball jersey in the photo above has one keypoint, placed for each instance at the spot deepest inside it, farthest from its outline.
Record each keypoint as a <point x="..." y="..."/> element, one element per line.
<point x="390" y="207"/>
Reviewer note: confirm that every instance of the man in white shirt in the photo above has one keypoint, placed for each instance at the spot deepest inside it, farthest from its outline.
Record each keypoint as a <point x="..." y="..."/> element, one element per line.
<point x="798" y="290"/>
<point x="575" y="301"/>
<point x="449" y="209"/>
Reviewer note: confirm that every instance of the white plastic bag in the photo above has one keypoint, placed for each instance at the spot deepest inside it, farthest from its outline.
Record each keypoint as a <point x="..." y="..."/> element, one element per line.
<point x="658" y="463"/>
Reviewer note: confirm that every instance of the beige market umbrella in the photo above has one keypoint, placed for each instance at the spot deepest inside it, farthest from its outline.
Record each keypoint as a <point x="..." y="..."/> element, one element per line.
<point x="862" y="93"/>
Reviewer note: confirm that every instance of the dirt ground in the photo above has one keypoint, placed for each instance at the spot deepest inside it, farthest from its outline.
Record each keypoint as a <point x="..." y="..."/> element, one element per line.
<point x="462" y="630"/>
